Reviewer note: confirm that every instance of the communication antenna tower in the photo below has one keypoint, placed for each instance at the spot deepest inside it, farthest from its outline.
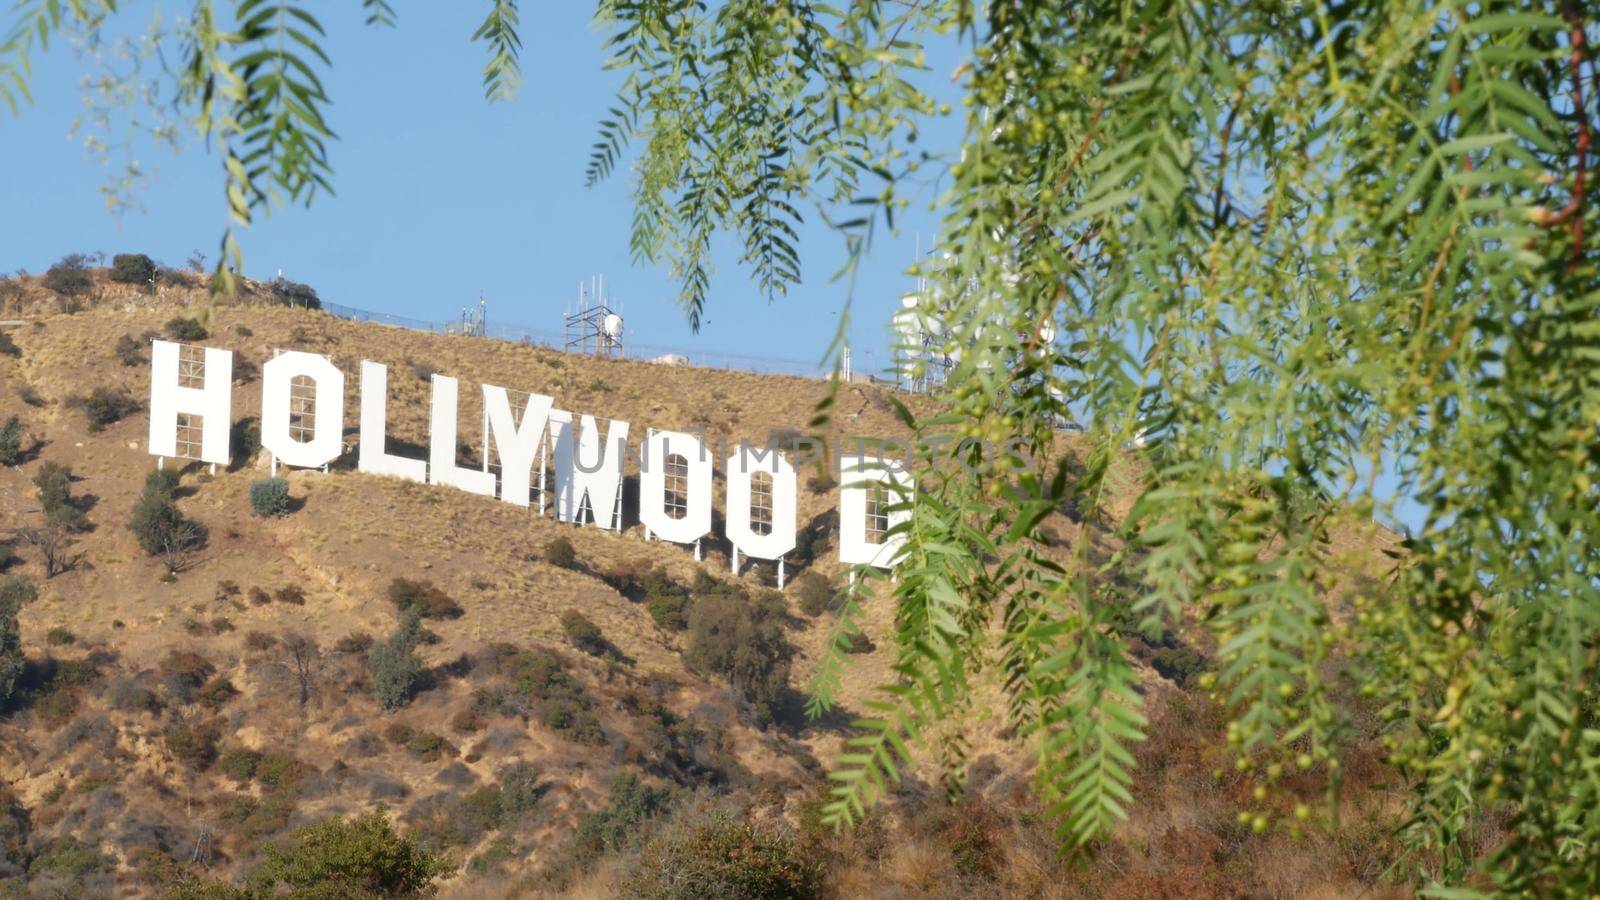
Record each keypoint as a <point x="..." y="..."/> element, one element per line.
<point x="596" y="327"/>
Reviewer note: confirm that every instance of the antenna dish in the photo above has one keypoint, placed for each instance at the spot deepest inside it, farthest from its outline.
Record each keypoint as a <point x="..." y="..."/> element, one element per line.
<point x="909" y="300"/>
<point x="1047" y="333"/>
<point x="611" y="325"/>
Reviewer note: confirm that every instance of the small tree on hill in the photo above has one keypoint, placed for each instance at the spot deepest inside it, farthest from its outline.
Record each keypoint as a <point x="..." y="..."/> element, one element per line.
<point x="54" y="482"/>
<point x="11" y="434"/>
<point x="14" y="592"/>
<point x="69" y="276"/>
<point x="186" y="329"/>
<point x="133" y="268"/>
<point x="161" y="528"/>
<point x="302" y="659"/>
<point x="394" y="666"/>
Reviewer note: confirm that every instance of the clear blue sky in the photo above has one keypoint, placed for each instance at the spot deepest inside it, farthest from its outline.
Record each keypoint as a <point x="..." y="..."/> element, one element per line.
<point x="441" y="195"/>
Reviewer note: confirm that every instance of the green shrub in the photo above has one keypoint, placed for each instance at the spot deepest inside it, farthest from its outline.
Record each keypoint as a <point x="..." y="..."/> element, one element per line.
<point x="394" y="666"/>
<point x="584" y="633"/>
<point x="186" y="329"/>
<point x="1180" y="664"/>
<point x="11" y="434"/>
<point x="15" y="591"/>
<point x="55" y="497"/>
<point x="133" y="268"/>
<point x="58" y="637"/>
<point x="723" y="856"/>
<point x="423" y="599"/>
<point x="354" y="642"/>
<point x="8" y="345"/>
<point x="69" y="276"/>
<point x="216" y="692"/>
<point x="815" y="593"/>
<point x="195" y="744"/>
<point x="559" y="553"/>
<point x="361" y="857"/>
<point x="129" y="351"/>
<point x="238" y="763"/>
<point x="741" y="638"/>
<point x="631" y="803"/>
<point x="293" y="293"/>
<point x="105" y="406"/>
<point x="269" y="497"/>
<point x="161" y="528"/>
<point x="670" y="611"/>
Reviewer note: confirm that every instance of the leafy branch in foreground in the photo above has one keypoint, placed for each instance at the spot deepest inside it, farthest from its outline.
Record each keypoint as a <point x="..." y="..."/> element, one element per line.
<point x="1305" y="266"/>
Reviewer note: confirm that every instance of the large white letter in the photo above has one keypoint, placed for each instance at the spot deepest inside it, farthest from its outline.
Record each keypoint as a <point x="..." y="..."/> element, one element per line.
<point x="742" y="469"/>
<point x="871" y="480"/>
<point x="442" y="468"/>
<point x="327" y="431"/>
<point x="696" y="521"/>
<point x="374" y="429"/>
<point x="212" y="402"/>
<point x="516" y="443"/>
<point x="577" y="477"/>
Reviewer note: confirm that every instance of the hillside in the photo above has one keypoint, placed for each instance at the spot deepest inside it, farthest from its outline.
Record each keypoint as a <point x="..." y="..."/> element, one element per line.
<point x="169" y="726"/>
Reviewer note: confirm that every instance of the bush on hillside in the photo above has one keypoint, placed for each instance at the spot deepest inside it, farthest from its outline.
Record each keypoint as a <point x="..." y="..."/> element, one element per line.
<point x="133" y="268"/>
<point x="584" y="633"/>
<point x="11" y="434"/>
<point x="8" y="345"/>
<point x="814" y="592"/>
<point x="161" y="528"/>
<point x="106" y="405"/>
<point x="54" y="482"/>
<point x="422" y="598"/>
<point x="741" y="639"/>
<point x="129" y="351"/>
<point x="269" y="497"/>
<point x="359" y="857"/>
<point x="631" y="803"/>
<point x="559" y="553"/>
<point x="181" y="328"/>
<point x="1180" y="664"/>
<point x="394" y="666"/>
<point x="15" y="591"/>
<point x="293" y="293"/>
<point x="69" y="276"/>
<point x="723" y="856"/>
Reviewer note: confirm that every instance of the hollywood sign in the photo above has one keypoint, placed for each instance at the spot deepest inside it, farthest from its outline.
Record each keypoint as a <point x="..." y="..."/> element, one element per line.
<point x="302" y="425"/>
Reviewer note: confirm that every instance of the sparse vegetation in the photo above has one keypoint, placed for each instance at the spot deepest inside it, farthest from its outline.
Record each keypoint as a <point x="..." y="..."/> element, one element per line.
<point x="105" y="406"/>
<point x="269" y="497"/>
<point x="8" y="345"/>
<point x="423" y="599"/>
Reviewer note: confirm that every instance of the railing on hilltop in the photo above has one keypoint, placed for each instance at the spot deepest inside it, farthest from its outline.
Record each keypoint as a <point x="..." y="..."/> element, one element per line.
<point x="550" y="340"/>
